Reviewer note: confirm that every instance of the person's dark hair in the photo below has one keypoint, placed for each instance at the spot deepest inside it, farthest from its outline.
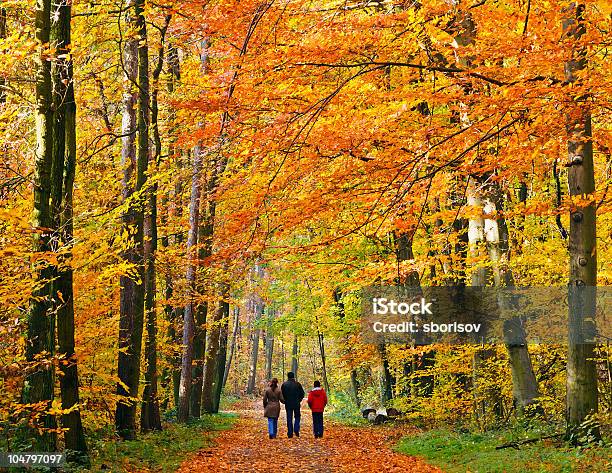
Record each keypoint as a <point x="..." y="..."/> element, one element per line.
<point x="274" y="383"/>
<point x="317" y="384"/>
<point x="291" y="375"/>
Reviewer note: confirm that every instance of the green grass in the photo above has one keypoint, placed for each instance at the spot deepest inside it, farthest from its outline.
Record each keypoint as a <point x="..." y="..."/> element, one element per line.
<point x="158" y="451"/>
<point x="473" y="452"/>
<point x="343" y="410"/>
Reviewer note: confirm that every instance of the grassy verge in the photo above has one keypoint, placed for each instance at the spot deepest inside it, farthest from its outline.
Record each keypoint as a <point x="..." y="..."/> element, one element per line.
<point x="158" y="451"/>
<point x="476" y="453"/>
<point x="343" y="410"/>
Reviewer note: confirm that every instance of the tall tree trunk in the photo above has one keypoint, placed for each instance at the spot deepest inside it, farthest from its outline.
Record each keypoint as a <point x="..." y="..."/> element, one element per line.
<point x="64" y="151"/>
<point x="321" y="341"/>
<point x="205" y="230"/>
<point x="581" y="366"/>
<point x="38" y="385"/>
<point x="199" y="347"/>
<point x="188" y="320"/>
<point x="341" y="314"/>
<point x="388" y="380"/>
<point x="524" y="384"/>
<point x="269" y="345"/>
<point x="418" y="385"/>
<point x="487" y="397"/>
<point x="150" y="415"/>
<point x="258" y="309"/>
<point x="132" y="289"/>
<point x="476" y="235"/>
<point x="230" y="356"/>
<point x="295" y="350"/>
<point x="216" y="349"/>
<point x="173" y="314"/>
<point x="224" y="310"/>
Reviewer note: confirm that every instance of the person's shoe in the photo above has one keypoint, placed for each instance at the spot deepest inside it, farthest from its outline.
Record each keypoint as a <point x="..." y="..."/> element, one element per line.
<point x="297" y="434"/>
<point x="289" y="435"/>
<point x="271" y="436"/>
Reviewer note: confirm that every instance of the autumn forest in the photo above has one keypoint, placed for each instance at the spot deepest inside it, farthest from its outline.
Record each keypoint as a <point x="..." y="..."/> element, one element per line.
<point x="194" y="194"/>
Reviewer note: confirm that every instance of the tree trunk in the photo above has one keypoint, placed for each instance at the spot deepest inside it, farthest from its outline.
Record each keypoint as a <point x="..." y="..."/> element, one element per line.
<point x="581" y="367"/>
<point x="232" y="346"/>
<point x="188" y="320"/>
<point x="199" y="347"/>
<point x="341" y="314"/>
<point x="388" y="379"/>
<point x="216" y="349"/>
<point x="174" y="314"/>
<point x="487" y="397"/>
<point x="210" y="375"/>
<point x="269" y="345"/>
<point x="65" y="156"/>
<point x="38" y="384"/>
<point x="206" y="230"/>
<point x="294" y="355"/>
<point x="476" y="236"/>
<point x="132" y="290"/>
<point x="258" y="309"/>
<point x="222" y="352"/>
<point x="524" y="384"/>
<point x="150" y="415"/>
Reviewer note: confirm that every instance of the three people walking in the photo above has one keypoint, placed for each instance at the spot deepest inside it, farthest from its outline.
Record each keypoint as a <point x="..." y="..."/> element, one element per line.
<point x="291" y="393"/>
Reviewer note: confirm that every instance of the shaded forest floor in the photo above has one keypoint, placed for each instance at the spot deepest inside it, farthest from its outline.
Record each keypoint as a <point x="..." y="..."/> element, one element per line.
<point x="247" y="448"/>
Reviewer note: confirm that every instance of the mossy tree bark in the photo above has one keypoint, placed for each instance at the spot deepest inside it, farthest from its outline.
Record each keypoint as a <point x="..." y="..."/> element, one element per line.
<point x="38" y="384"/>
<point x="582" y="399"/>
<point x="63" y="171"/>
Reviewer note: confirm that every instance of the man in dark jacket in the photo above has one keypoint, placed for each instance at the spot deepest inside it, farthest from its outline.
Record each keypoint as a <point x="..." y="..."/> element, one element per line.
<point x="293" y="392"/>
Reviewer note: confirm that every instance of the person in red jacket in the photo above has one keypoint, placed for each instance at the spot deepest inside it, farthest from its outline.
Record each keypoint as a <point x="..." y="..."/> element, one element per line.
<point x="317" y="400"/>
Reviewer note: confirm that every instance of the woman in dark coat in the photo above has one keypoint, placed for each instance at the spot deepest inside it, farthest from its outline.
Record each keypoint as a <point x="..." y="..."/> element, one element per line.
<point x="273" y="396"/>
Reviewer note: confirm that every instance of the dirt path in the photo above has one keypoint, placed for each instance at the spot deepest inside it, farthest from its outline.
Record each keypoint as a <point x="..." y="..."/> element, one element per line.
<point x="247" y="448"/>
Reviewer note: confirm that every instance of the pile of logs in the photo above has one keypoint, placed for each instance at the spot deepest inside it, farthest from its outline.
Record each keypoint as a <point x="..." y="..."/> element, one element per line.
<point x="379" y="416"/>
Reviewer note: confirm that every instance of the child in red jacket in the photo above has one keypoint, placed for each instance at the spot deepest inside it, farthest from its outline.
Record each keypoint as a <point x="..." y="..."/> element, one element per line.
<point x="317" y="400"/>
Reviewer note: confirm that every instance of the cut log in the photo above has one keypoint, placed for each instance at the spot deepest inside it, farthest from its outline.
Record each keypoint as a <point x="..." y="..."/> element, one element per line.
<point x="366" y="411"/>
<point x="371" y="416"/>
<point x="380" y="419"/>
<point x="392" y="412"/>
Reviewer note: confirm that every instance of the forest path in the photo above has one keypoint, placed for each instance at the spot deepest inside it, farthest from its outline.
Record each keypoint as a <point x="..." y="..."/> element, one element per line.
<point x="247" y="448"/>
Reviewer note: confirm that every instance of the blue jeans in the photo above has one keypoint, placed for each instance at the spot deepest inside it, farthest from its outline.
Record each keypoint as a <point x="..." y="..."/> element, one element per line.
<point x="272" y="426"/>
<point x="317" y="424"/>
<point x="293" y="426"/>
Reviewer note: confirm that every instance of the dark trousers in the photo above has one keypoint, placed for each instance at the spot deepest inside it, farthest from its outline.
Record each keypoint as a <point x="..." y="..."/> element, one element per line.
<point x="317" y="424"/>
<point x="293" y="420"/>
